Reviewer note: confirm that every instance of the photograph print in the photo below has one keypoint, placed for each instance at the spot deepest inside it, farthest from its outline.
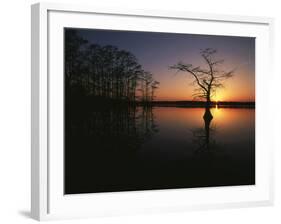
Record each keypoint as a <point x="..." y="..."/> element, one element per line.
<point x="155" y="111"/>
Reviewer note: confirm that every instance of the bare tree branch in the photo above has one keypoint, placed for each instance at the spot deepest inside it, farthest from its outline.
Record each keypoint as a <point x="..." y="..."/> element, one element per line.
<point x="208" y="80"/>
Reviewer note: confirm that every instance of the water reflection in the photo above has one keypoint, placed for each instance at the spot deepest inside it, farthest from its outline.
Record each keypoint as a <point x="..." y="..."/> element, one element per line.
<point x="139" y="148"/>
<point x="201" y="136"/>
<point x="117" y="128"/>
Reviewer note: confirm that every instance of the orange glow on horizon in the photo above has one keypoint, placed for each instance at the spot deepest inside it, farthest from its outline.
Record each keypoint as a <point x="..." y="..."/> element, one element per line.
<point x="180" y="86"/>
<point x="180" y="89"/>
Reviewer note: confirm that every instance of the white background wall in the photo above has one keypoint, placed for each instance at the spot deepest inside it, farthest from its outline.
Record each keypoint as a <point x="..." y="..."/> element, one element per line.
<point x="15" y="111"/>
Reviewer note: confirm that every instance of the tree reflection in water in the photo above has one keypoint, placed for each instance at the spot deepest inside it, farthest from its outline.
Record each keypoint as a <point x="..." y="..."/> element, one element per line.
<point x="203" y="137"/>
<point x="104" y="143"/>
<point x="123" y="127"/>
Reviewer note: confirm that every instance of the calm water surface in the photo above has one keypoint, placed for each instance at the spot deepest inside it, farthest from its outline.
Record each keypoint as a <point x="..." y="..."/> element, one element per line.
<point x="159" y="148"/>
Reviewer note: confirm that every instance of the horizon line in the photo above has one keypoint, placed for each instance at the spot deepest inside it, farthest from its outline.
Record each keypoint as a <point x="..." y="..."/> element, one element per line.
<point x="201" y="101"/>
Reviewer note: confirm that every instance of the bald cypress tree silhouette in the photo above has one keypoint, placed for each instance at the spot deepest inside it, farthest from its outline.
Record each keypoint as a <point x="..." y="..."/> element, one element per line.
<point x="208" y="79"/>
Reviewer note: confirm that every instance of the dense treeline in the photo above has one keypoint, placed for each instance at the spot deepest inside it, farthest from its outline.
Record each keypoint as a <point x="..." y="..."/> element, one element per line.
<point x="105" y="72"/>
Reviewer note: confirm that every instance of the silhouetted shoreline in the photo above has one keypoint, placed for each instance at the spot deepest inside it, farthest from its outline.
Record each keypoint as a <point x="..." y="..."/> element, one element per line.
<point x="101" y="102"/>
<point x="192" y="104"/>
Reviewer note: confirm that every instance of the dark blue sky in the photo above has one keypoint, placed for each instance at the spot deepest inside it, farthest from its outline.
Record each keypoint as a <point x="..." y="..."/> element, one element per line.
<point x="157" y="51"/>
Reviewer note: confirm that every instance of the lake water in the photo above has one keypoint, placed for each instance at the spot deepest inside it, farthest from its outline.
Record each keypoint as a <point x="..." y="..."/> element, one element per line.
<point x="159" y="148"/>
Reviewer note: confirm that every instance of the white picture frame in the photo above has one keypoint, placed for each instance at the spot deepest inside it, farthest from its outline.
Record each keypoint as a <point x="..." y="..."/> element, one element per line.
<point x="47" y="198"/>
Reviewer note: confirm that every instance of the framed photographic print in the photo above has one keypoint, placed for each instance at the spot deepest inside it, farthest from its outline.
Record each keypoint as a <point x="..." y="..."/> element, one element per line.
<point x="138" y="111"/>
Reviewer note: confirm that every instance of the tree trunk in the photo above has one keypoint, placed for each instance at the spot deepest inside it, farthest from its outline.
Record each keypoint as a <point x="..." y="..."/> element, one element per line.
<point x="208" y="101"/>
<point x="208" y="115"/>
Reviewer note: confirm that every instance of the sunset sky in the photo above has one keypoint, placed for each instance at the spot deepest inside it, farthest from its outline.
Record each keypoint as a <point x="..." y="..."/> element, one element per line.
<point x="157" y="51"/>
